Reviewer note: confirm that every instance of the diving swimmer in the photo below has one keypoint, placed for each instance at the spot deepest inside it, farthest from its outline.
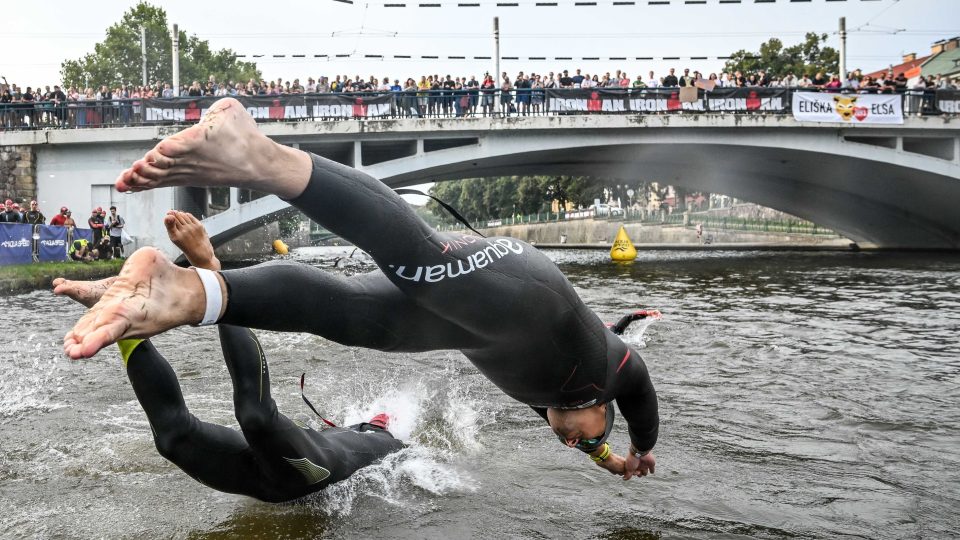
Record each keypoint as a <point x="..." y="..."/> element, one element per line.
<point x="272" y="458"/>
<point x="499" y="301"/>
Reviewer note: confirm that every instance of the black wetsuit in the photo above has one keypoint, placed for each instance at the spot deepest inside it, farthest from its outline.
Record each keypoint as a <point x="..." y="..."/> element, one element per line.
<point x="501" y="302"/>
<point x="273" y="459"/>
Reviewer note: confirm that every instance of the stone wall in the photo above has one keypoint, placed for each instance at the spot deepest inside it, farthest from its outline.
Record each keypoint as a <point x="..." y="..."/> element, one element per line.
<point x="18" y="173"/>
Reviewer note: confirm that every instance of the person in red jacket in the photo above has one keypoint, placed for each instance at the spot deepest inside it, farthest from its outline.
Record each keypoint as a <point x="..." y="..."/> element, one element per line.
<point x="61" y="218"/>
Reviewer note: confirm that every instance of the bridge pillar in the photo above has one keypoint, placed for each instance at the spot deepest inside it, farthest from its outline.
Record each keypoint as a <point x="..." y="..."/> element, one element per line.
<point x="18" y="173"/>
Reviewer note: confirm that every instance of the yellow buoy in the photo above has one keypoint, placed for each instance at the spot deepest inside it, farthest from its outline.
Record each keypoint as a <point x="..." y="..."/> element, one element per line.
<point x="623" y="249"/>
<point x="281" y="249"/>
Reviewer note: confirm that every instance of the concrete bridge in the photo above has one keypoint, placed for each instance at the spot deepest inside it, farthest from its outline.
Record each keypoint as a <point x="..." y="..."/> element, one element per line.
<point x="885" y="186"/>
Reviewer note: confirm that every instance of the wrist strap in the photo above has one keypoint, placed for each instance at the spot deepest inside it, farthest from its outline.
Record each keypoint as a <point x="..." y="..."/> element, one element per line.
<point x="603" y="455"/>
<point x="214" y="294"/>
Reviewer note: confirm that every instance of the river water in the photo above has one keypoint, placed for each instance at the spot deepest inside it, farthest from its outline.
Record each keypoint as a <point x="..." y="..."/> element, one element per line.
<point x="812" y="395"/>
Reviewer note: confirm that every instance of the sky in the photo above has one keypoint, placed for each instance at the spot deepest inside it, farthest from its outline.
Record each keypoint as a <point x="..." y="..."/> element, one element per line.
<point x="37" y="37"/>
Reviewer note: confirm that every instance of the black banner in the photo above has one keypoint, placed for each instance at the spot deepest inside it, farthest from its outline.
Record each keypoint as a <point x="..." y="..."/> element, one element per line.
<point x="948" y="101"/>
<point x="285" y="107"/>
<point x="665" y="100"/>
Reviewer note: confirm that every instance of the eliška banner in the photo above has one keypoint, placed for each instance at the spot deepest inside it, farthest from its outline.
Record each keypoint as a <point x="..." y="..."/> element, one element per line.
<point x="286" y="107"/>
<point x="850" y="109"/>
<point x="16" y="243"/>
<point x="641" y="100"/>
<point x="948" y="101"/>
<point x="53" y="243"/>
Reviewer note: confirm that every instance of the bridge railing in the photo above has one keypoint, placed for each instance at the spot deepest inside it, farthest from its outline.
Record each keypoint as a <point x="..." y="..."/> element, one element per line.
<point x="439" y="104"/>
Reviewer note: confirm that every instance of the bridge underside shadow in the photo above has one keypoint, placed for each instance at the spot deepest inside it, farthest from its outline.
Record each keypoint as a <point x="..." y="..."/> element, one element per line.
<point x="866" y="200"/>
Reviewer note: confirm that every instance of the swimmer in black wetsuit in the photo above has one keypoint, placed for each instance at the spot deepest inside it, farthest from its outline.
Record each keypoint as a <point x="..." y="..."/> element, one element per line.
<point x="273" y="459"/>
<point x="502" y="303"/>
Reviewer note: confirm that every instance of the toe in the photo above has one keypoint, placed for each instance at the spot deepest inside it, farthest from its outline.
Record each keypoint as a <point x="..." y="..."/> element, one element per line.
<point x="156" y="158"/>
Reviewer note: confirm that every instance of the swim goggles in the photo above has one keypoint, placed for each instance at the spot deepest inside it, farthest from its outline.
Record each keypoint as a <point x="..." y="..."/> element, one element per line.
<point x="589" y="445"/>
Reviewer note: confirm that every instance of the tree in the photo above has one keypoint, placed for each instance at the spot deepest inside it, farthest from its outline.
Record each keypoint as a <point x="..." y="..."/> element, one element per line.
<point x="480" y="199"/>
<point x="806" y="58"/>
<point x="117" y="59"/>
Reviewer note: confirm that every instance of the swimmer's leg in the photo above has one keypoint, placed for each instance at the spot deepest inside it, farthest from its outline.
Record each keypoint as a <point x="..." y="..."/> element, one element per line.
<point x="294" y="460"/>
<point x="368" y="214"/>
<point x="214" y="455"/>
<point x="364" y="311"/>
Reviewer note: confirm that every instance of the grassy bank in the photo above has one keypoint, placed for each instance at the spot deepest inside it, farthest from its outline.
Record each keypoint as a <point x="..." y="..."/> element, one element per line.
<point x="27" y="277"/>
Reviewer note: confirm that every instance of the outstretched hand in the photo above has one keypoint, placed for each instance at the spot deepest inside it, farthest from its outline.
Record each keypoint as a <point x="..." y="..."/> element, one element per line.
<point x="639" y="466"/>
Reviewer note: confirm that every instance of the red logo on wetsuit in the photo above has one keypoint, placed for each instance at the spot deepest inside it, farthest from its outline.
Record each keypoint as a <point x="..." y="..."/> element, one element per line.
<point x="464" y="240"/>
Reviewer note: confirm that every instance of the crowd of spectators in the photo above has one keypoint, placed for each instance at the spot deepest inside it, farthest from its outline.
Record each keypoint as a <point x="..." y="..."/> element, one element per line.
<point x="431" y="95"/>
<point x="106" y="229"/>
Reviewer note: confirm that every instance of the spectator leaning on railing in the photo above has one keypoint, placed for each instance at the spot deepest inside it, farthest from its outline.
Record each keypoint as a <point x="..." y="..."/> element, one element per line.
<point x="118" y="105"/>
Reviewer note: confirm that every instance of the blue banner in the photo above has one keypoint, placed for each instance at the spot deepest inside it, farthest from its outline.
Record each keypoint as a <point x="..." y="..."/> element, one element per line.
<point x="53" y="243"/>
<point x="16" y="244"/>
<point x="86" y="234"/>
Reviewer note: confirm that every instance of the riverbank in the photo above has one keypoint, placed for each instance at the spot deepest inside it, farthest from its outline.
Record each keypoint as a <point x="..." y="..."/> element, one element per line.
<point x="27" y="277"/>
<point x="601" y="232"/>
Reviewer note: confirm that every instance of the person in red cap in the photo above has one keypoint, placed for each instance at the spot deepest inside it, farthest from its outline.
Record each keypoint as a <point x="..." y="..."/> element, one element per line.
<point x="96" y="224"/>
<point x="34" y="216"/>
<point x="61" y="218"/>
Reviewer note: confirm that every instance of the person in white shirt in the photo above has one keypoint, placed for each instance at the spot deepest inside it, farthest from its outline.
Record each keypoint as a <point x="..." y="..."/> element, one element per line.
<point x="652" y="81"/>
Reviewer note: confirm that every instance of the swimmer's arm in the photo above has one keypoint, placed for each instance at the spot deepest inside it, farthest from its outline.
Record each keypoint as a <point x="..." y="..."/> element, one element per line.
<point x="637" y="401"/>
<point x="614" y="463"/>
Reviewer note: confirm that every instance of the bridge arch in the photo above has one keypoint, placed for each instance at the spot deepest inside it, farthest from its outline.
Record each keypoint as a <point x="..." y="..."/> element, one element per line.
<point x="892" y="187"/>
<point x="869" y="193"/>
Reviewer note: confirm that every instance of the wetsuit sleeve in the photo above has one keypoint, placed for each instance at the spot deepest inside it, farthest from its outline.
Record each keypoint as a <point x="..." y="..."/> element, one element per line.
<point x="637" y="401"/>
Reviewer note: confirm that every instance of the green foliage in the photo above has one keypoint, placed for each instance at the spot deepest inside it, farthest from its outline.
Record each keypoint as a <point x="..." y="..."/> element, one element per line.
<point x="26" y="277"/>
<point x="480" y="199"/>
<point x="117" y="59"/>
<point x="290" y="225"/>
<point x="806" y="58"/>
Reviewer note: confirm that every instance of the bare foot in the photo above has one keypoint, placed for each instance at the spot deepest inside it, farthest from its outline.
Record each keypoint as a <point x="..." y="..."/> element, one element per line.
<point x="224" y="149"/>
<point x="187" y="233"/>
<point x="87" y="293"/>
<point x="150" y="295"/>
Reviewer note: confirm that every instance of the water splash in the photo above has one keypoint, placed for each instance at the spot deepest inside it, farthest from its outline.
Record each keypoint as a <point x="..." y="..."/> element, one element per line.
<point x="439" y="417"/>
<point x="400" y="479"/>
<point x="31" y="378"/>
<point x="635" y="334"/>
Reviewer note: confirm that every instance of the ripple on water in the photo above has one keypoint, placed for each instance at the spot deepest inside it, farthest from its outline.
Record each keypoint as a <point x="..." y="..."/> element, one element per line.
<point x="801" y="395"/>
